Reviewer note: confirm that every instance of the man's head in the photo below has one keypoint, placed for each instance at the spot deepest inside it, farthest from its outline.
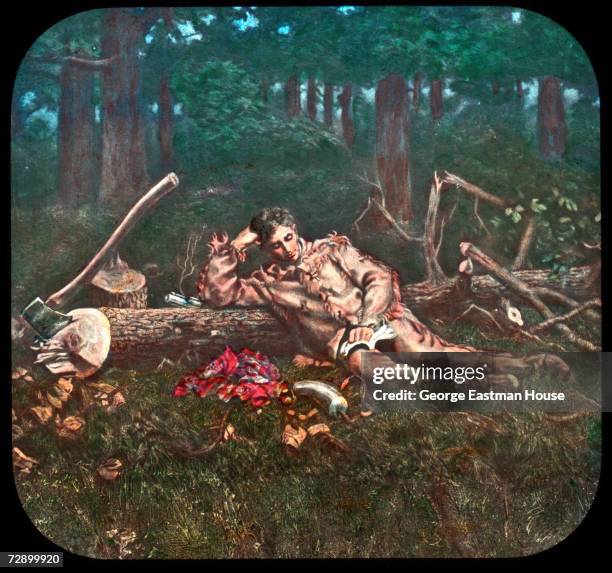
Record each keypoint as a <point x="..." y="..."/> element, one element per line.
<point x="277" y="233"/>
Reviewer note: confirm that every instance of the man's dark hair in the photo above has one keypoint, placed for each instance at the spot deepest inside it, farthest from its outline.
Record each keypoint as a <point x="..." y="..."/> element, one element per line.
<point x="267" y="220"/>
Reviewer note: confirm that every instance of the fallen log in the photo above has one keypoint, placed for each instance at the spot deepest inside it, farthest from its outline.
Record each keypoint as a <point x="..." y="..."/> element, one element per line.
<point x="148" y="335"/>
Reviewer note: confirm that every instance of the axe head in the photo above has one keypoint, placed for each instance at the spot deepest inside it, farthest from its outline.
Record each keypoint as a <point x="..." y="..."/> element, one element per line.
<point x="44" y="320"/>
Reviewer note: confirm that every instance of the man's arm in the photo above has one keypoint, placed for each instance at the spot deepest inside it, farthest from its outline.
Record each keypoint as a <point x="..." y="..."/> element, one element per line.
<point x="218" y="283"/>
<point x="376" y="280"/>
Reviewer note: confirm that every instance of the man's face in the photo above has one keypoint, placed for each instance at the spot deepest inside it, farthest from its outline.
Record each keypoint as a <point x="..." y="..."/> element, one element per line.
<point x="283" y="244"/>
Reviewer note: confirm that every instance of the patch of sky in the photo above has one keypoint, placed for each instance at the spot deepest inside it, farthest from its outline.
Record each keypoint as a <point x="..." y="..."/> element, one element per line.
<point x="188" y="31"/>
<point x="517" y="16"/>
<point x="208" y="19"/>
<point x="27" y="99"/>
<point x="178" y="109"/>
<point x="284" y="30"/>
<point x="247" y="22"/>
<point x="346" y="10"/>
<point x="46" y="115"/>
<point x="571" y="96"/>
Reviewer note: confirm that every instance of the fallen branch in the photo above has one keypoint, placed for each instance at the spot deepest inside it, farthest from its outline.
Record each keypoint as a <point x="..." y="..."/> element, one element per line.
<point x="565" y="317"/>
<point x="524" y="291"/>
<point x="476" y="191"/>
<point x="526" y="241"/>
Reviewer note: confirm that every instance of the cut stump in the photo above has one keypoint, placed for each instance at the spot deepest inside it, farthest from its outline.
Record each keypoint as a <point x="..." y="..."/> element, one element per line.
<point x="116" y="285"/>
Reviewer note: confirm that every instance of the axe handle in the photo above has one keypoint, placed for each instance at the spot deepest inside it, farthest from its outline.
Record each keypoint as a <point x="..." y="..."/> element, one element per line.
<point x="145" y="203"/>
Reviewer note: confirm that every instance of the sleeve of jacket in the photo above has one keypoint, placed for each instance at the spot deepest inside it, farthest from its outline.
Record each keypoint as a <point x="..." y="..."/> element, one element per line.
<point x="218" y="282"/>
<point x="376" y="280"/>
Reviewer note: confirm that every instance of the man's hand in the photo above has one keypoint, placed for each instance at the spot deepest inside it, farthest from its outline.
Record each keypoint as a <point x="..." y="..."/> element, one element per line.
<point x="244" y="239"/>
<point x="360" y="334"/>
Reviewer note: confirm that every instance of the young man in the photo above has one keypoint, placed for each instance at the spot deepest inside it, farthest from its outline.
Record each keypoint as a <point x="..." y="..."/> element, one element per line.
<point x="336" y="300"/>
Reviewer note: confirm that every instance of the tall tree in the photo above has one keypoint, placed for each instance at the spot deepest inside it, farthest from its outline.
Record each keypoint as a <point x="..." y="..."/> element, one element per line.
<point x="551" y="119"/>
<point x="77" y="149"/>
<point x="345" y="99"/>
<point x="124" y="162"/>
<point x="293" y="105"/>
<point x="311" y="99"/>
<point x="393" y="145"/>
<point x="328" y="104"/>
<point x="435" y="98"/>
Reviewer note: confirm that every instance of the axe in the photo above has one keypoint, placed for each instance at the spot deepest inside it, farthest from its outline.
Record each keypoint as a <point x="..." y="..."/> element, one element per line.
<point x="78" y="342"/>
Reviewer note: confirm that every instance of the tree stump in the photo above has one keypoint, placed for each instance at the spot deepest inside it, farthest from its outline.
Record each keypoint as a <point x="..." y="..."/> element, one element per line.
<point x="116" y="285"/>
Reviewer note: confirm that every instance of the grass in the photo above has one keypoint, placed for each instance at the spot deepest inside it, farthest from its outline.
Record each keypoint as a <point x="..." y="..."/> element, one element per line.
<point x="513" y="484"/>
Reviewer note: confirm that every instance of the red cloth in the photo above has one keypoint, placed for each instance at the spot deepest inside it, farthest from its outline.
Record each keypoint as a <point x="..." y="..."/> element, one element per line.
<point x="248" y="375"/>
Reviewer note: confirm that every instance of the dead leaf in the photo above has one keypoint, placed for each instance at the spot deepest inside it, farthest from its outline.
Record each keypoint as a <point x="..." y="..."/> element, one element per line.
<point x="317" y="429"/>
<point x="42" y="413"/>
<point x="17" y="432"/>
<point x="111" y="469"/>
<point x="312" y="413"/>
<point x="102" y="387"/>
<point x="65" y="384"/>
<point x="366" y="413"/>
<point x="116" y="401"/>
<point x="345" y="383"/>
<point x="71" y="428"/>
<point x="323" y="435"/>
<point x="55" y="402"/>
<point x="28" y="378"/>
<point x="23" y="463"/>
<point x="13" y="415"/>
<point x="86" y="398"/>
<point x="18" y="373"/>
<point x="290" y="412"/>
<point x="293" y="437"/>
<point x="229" y="433"/>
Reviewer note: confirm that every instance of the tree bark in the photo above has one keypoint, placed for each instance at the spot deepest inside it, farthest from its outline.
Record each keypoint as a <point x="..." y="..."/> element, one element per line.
<point x="416" y="91"/>
<point x="495" y="88"/>
<point x="345" y="99"/>
<point x="148" y="335"/>
<point x="293" y="105"/>
<point x="165" y="132"/>
<point x="265" y="90"/>
<point x="124" y="167"/>
<point x="76" y="130"/>
<point x="311" y="99"/>
<point x="519" y="88"/>
<point x="328" y="104"/>
<point x="393" y="146"/>
<point x="435" y="99"/>
<point x="116" y="285"/>
<point x="552" y="130"/>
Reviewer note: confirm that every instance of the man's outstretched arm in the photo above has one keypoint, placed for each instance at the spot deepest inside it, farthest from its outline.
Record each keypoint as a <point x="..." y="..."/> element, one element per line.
<point x="218" y="282"/>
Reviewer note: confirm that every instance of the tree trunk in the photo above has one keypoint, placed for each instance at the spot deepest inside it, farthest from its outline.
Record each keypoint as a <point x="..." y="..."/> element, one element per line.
<point x="148" y="335"/>
<point x="124" y="170"/>
<point x="416" y="91"/>
<point x="265" y="91"/>
<point x="435" y="99"/>
<point x="346" y="117"/>
<point x="328" y="104"/>
<point x="519" y="88"/>
<point x="293" y="105"/>
<point x="118" y="286"/>
<point x="393" y="146"/>
<point x="552" y="130"/>
<point x="165" y="133"/>
<point x="76" y="136"/>
<point x="311" y="99"/>
<point x="495" y="88"/>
